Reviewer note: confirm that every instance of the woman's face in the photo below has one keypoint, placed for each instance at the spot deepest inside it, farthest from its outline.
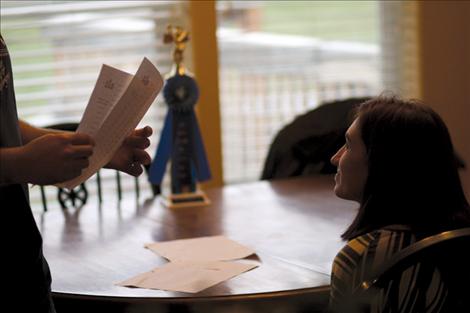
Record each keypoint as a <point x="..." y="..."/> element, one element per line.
<point x="351" y="161"/>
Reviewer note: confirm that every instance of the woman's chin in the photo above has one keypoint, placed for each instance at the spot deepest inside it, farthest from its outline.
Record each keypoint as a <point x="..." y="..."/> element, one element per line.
<point x="337" y="191"/>
<point x="340" y="192"/>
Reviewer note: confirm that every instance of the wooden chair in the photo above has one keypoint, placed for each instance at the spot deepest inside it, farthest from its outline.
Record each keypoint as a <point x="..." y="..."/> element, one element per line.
<point x="448" y="251"/>
<point x="78" y="196"/>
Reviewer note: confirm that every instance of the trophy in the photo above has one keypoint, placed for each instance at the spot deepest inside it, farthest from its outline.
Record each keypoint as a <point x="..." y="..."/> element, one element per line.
<point x="181" y="139"/>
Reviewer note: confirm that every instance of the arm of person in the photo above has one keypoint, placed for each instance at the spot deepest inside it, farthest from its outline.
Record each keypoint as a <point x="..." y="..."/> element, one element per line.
<point x="129" y="158"/>
<point x="51" y="156"/>
<point x="46" y="159"/>
<point x="30" y="132"/>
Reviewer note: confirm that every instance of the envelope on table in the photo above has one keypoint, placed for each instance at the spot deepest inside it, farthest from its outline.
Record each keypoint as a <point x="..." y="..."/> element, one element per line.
<point x="213" y="248"/>
<point x="187" y="276"/>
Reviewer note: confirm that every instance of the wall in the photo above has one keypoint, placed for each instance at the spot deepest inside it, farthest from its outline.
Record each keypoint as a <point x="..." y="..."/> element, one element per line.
<point x="445" y="70"/>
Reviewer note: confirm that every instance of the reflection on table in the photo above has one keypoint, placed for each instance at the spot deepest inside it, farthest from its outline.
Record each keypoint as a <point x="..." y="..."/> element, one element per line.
<point x="294" y="225"/>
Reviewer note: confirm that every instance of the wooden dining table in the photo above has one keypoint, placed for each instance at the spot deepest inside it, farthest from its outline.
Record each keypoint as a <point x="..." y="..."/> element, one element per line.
<point x="294" y="225"/>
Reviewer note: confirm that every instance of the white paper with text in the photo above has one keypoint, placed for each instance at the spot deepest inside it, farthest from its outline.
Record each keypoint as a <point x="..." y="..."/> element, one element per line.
<point x="118" y="104"/>
<point x="110" y="86"/>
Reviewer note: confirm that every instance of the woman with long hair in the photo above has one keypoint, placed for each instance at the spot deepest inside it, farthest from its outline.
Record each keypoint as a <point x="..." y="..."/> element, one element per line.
<point x="399" y="164"/>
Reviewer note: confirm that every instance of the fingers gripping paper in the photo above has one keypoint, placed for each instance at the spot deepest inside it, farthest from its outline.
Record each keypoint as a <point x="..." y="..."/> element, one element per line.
<point x="117" y="104"/>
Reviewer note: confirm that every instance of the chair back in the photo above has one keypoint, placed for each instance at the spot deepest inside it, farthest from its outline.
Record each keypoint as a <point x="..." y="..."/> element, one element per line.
<point x="305" y="146"/>
<point x="448" y="251"/>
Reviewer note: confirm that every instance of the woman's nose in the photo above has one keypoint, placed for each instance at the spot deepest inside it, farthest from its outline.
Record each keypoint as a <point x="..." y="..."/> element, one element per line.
<point x="335" y="158"/>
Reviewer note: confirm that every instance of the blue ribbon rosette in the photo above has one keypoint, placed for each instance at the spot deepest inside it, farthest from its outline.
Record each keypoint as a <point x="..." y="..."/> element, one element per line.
<point x="181" y="138"/>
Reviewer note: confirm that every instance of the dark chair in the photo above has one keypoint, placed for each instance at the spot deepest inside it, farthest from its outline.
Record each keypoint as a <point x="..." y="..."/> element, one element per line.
<point x="449" y="252"/>
<point x="305" y="145"/>
<point x="78" y="196"/>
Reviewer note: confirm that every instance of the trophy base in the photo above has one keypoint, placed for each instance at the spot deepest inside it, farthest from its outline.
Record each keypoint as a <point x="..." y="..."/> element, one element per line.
<point x="184" y="200"/>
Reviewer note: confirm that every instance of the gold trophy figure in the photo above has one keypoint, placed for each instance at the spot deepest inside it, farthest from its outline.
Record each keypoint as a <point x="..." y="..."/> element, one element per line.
<point x="181" y="140"/>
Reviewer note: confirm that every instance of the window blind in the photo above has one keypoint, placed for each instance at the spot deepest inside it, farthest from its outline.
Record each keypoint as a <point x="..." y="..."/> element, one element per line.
<point x="400" y="48"/>
<point x="279" y="59"/>
<point x="58" y="47"/>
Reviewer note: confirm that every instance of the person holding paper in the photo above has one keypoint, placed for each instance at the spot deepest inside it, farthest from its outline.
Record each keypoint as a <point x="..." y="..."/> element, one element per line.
<point x="40" y="156"/>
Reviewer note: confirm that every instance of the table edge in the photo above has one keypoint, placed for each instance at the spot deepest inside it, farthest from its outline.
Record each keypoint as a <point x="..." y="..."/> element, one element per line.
<point x="319" y="290"/>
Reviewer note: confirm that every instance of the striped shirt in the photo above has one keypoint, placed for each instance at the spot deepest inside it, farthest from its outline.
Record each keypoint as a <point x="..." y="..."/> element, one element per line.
<point x="362" y="256"/>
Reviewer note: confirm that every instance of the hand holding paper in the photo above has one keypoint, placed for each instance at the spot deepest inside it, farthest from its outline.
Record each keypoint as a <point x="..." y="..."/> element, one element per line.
<point x="117" y="105"/>
<point x="54" y="157"/>
<point x="131" y="154"/>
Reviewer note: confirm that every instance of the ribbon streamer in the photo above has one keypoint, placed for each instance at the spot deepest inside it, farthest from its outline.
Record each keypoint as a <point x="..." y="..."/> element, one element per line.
<point x="180" y="139"/>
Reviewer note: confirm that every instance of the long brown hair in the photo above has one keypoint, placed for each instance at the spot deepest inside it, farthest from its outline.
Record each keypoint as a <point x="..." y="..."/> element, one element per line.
<point x="413" y="178"/>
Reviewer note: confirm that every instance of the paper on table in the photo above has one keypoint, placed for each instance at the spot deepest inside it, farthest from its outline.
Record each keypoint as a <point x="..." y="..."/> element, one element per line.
<point x="214" y="248"/>
<point x="113" y="114"/>
<point x="187" y="276"/>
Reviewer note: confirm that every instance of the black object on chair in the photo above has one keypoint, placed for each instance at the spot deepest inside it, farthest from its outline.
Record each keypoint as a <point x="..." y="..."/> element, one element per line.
<point x="78" y="196"/>
<point x="447" y="251"/>
<point x="305" y="145"/>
